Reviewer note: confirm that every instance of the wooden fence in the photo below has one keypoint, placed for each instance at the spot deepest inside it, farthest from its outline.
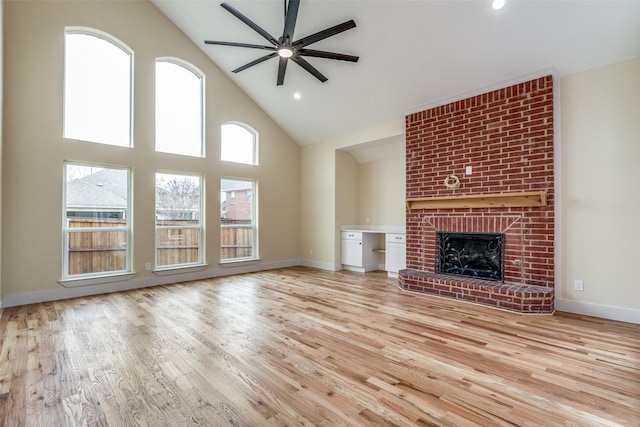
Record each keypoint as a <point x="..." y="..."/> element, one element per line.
<point x="235" y="242"/>
<point x="94" y="251"/>
<point x="104" y="251"/>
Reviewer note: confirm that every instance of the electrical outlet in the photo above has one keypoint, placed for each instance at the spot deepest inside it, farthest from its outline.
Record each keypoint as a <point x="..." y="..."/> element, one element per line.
<point x="578" y="285"/>
<point x="310" y="252"/>
<point x="147" y="266"/>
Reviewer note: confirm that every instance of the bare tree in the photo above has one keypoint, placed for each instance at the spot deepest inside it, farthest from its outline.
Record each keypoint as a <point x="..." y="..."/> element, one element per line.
<point x="177" y="197"/>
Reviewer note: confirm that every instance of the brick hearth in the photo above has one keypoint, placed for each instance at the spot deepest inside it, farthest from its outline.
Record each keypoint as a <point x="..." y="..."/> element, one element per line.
<point x="506" y="137"/>
<point x="514" y="297"/>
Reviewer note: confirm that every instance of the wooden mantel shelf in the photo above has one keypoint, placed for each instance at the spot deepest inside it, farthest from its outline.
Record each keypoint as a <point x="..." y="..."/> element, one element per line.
<point x="496" y="200"/>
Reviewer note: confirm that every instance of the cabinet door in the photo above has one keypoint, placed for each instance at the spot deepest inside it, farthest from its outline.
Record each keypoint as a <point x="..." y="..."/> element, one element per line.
<point x="352" y="252"/>
<point x="395" y="257"/>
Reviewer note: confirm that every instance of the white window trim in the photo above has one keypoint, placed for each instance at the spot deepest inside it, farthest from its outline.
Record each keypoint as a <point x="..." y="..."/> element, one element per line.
<point x="96" y="280"/>
<point x="101" y="276"/>
<point x="185" y="268"/>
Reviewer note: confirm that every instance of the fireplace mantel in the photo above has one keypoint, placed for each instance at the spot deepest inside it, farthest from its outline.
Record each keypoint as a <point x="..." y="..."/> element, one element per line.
<point x="496" y="200"/>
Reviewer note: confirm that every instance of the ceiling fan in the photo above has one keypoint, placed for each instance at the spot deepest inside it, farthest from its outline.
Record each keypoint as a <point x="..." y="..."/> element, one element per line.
<point x="285" y="47"/>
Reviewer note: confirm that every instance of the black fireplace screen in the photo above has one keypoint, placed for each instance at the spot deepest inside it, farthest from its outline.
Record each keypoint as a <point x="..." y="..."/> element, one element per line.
<point x="477" y="255"/>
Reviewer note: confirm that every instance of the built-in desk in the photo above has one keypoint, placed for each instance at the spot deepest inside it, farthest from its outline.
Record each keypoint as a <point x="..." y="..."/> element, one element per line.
<point x="361" y="246"/>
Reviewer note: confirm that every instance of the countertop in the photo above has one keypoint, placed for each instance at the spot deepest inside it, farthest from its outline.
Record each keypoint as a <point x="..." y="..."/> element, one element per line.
<point x="380" y="229"/>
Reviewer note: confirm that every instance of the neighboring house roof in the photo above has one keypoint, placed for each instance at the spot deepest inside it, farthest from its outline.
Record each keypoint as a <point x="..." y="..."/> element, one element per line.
<point x="82" y="194"/>
<point x="112" y="181"/>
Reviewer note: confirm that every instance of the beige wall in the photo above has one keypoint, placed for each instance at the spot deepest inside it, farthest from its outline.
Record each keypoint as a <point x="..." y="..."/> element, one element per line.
<point x="317" y="223"/>
<point x="600" y="200"/>
<point x="346" y="193"/>
<point x="381" y="192"/>
<point x="319" y="173"/>
<point x="35" y="150"/>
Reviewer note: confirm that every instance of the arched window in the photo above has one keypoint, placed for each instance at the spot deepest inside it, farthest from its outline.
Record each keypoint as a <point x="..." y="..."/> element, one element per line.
<point x="179" y="108"/>
<point x="238" y="143"/>
<point x="97" y="87"/>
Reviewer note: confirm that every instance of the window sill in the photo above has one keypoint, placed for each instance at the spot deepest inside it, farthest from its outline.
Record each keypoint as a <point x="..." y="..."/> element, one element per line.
<point x="169" y="271"/>
<point x="96" y="280"/>
<point x="239" y="262"/>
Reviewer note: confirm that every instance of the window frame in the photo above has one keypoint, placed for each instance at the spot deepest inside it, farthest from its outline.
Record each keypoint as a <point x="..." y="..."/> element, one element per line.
<point x="92" y="32"/>
<point x="66" y="230"/>
<point x="254" y="222"/>
<point x="201" y="77"/>
<point x="200" y="227"/>
<point x="255" y="143"/>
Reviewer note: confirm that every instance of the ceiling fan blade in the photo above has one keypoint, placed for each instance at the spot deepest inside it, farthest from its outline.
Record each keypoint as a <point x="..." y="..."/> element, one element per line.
<point x="290" y="21"/>
<point x="321" y="35"/>
<point x="256" y="62"/>
<point x="282" y="68"/>
<point x="250" y="23"/>
<point x="328" y="55"/>
<point x="252" y="46"/>
<point x="310" y="68"/>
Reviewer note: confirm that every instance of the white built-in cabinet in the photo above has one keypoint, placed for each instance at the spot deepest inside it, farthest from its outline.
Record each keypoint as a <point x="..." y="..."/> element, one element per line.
<point x="358" y="251"/>
<point x="395" y="253"/>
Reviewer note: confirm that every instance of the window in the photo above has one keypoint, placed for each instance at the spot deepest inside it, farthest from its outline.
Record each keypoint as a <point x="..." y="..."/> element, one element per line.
<point x="96" y="220"/>
<point x="178" y="220"/>
<point x="179" y="108"/>
<point x="97" y="88"/>
<point x="237" y="219"/>
<point x="238" y="144"/>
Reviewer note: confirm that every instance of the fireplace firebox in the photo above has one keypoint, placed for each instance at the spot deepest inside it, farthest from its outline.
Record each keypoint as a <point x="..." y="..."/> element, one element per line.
<point x="478" y="255"/>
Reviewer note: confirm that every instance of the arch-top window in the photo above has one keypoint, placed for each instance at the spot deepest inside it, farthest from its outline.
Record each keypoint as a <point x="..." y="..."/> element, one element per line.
<point x="179" y="108"/>
<point x="238" y="144"/>
<point x="97" y="88"/>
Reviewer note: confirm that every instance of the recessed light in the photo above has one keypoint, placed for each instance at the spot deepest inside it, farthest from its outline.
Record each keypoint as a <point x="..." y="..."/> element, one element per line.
<point x="297" y="95"/>
<point x="498" y="4"/>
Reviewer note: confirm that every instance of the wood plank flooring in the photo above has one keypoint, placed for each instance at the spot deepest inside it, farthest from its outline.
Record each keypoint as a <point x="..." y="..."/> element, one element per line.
<point x="305" y="347"/>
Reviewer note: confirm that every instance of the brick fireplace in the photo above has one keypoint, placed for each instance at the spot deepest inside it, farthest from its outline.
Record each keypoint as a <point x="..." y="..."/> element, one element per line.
<point x="484" y="165"/>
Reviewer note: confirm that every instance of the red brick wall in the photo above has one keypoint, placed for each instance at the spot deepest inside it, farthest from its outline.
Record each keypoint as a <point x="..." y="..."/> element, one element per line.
<point x="506" y="136"/>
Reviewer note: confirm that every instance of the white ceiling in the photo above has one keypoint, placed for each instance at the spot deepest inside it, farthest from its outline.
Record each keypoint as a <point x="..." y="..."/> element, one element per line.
<point x="412" y="53"/>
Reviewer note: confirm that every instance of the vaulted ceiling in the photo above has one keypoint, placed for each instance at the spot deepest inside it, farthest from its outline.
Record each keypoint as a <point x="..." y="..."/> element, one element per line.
<point x="412" y="53"/>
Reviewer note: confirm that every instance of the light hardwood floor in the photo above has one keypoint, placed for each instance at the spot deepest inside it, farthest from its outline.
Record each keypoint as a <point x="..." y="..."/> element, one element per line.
<point x="304" y="347"/>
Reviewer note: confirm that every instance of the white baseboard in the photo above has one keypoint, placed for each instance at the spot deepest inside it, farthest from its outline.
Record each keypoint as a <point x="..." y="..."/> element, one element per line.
<point x="621" y="314"/>
<point x="66" y="293"/>
<point x="321" y="265"/>
<point x="354" y="269"/>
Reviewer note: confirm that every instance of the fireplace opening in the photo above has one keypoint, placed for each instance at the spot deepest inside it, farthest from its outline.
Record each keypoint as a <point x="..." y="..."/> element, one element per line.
<point x="478" y="255"/>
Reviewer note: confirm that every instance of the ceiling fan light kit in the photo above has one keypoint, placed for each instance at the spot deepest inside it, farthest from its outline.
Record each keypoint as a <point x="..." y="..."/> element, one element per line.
<point x="285" y="47"/>
<point x="285" y="52"/>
